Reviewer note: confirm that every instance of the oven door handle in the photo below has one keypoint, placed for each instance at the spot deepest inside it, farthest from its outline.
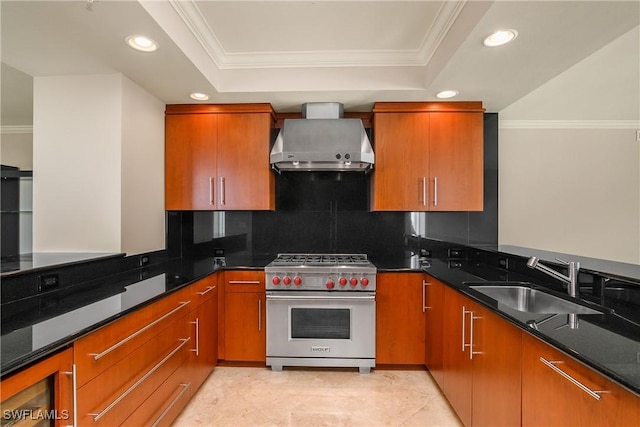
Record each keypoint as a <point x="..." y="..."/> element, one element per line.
<point x="320" y="298"/>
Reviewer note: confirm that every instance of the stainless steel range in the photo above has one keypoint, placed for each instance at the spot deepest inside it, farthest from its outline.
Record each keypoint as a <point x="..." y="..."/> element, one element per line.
<point x="321" y="311"/>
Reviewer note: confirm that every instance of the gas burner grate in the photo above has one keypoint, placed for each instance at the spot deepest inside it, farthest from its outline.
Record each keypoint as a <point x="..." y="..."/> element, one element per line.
<point x="321" y="259"/>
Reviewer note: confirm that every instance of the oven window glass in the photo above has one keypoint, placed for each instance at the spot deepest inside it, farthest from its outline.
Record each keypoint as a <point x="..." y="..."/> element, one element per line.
<point x="321" y="323"/>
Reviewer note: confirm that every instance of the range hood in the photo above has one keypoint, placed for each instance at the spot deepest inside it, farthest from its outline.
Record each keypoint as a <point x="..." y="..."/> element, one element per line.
<point x="322" y="141"/>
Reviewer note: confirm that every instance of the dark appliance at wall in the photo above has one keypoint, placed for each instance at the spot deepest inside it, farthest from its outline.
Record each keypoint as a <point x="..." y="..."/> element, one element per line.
<point x="9" y="208"/>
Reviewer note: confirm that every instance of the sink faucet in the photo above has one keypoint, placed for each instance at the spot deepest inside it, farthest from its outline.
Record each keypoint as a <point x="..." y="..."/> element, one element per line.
<point x="571" y="280"/>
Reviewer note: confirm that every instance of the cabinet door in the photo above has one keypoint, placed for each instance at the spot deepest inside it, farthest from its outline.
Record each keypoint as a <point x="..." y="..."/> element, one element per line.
<point x="244" y="319"/>
<point x="458" y="367"/>
<point x="496" y="370"/>
<point x="204" y="351"/>
<point x="400" y="318"/>
<point x="563" y="401"/>
<point x="245" y="181"/>
<point x="190" y="162"/>
<point x="27" y="395"/>
<point x="434" y="312"/>
<point x="401" y="169"/>
<point x="456" y="161"/>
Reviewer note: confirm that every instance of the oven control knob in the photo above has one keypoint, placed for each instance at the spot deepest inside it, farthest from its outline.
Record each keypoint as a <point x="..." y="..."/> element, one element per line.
<point x="364" y="281"/>
<point x="342" y="281"/>
<point x="353" y="281"/>
<point x="275" y="280"/>
<point x="297" y="281"/>
<point x="330" y="284"/>
<point x="286" y="280"/>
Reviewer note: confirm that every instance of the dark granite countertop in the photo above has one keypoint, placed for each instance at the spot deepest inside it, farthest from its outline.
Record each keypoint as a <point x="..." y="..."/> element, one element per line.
<point x="607" y="342"/>
<point x="37" y="326"/>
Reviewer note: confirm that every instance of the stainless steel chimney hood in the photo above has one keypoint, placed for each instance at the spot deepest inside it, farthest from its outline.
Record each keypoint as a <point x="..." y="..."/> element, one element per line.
<point x="322" y="141"/>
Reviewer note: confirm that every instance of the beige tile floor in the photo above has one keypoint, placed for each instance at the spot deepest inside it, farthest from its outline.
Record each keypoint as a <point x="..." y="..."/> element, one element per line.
<point x="239" y="396"/>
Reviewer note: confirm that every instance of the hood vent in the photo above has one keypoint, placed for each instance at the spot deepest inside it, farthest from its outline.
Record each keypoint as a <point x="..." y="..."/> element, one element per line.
<point x="322" y="141"/>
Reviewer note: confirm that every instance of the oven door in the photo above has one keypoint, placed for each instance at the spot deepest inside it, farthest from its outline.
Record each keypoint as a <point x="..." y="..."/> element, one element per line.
<point x="321" y="324"/>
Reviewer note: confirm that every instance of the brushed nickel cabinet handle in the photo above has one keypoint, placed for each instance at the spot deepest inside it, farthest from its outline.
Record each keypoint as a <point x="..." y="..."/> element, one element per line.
<point x="424" y="191"/>
<point x="197" y="349"/>
<point x="244" y="282"/>
<point x="209" y="289"/>
<point x="135" y="385"/>
<point x="552" y="364"/>
<point x="97" y="356"/>
<point x="260" y="315"/>
<point x="472" y="318"/>
<point x="424" y="295"/>
<point x="185" y="387"/>
<point x="212" y="198"/>
<point x="464" y="314"/>
<point x="222" y="191"/>
<point x="74" y="393"/>
<point x="435" y="191"/>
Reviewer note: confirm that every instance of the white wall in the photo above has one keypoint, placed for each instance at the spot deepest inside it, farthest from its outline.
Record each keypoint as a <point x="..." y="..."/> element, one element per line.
<point x="16" y="148"/>
<point x="143" y="214"/>
<point x="569" y="161"/>
<point x="83" y="182"/>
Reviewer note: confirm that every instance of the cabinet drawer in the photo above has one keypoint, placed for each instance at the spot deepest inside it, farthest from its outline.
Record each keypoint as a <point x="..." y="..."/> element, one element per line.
<point x="105" y="347"/>
<point x="111" y="397"/>
<point x="202" y="290"/>
<point x="570" y="392"/>
<point x="244" y="281"/>
<point x="164" y="405"/>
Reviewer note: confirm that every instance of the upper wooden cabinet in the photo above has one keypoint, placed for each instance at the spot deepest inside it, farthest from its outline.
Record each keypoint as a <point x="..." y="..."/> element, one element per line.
<point x="217" y="157"/>
<point x="429" y="156"/>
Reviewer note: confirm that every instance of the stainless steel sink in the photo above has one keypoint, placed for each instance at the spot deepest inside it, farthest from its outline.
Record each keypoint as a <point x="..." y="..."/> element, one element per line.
<point x="529" y="300"/>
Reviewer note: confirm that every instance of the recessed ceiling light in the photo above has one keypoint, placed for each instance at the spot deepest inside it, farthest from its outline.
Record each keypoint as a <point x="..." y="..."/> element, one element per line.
<point x="142" y="43"/>
<point x="447" y="94"/>
<point x="199" y="96"/>
<point x="500" y="37"/>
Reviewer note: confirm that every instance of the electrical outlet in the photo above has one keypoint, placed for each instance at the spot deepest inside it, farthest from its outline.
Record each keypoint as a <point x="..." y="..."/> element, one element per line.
<point x="455" y="253"/>
<point x="144" y="260"/>
<point x="47" y="282"/>
<point x="503" y="263"/>
<point x="425" y="253"/>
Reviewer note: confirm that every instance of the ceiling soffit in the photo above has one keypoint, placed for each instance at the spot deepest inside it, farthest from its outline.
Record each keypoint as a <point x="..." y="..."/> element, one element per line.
<point x="441" y="16"/>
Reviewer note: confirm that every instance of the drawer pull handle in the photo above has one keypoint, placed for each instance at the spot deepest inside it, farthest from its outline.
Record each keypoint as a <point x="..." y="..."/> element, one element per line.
<point x="185" y="387"/>
<point x="197" y="349"/>
<point x="138" y="332"/>
<point x="425" y="307"/>
<point x="244" y="282"/>
<point x="209" y="289"/>
<point x="74" y="393"/>
<point x="96" y="417"/>
<point x="552" y="364"/>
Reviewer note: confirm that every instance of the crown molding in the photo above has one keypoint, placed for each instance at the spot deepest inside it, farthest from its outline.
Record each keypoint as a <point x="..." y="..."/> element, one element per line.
<point x="16" y="129"/>
<point x="192" y="17"/>
<point x="569" y="124"/>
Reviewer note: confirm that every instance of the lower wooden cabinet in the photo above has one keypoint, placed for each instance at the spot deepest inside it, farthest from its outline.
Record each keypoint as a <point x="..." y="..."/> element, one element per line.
<point x="434" y="325"/>
<point x="203" y="320"/>
<point x="400" y="314"/>
<point x="244" y="316"/>
<point x="166" y="402"/>
<point x="155" y="359"/>
<point x="571" y="393"/>
<point x="111" y="397"/>
<point x="41" y="394"/>
<point x="481" y="363"/>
